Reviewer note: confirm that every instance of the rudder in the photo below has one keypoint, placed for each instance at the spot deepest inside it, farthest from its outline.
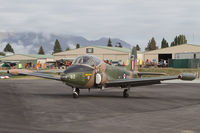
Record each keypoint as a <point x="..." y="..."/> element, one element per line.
<point x="132" y="66"/>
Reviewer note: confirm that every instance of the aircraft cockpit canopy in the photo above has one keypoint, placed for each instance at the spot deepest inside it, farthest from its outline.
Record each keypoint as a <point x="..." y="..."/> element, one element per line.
<point x="87" y="60"/>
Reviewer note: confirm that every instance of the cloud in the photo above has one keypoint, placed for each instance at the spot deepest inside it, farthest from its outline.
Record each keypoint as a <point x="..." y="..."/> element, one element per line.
<point x="71" y="46"/>
<point x="19" y="48"/>
<point x="135" y="21"/>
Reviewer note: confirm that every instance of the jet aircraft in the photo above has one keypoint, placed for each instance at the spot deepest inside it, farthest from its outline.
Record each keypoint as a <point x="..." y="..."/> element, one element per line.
<point x="90" y="72"/>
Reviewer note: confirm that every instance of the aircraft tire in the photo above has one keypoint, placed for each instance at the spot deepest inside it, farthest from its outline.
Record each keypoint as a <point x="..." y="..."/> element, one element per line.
<point x="76" y="92"/>
<point x="75" y="95"/>
<point x="125" y="93"/>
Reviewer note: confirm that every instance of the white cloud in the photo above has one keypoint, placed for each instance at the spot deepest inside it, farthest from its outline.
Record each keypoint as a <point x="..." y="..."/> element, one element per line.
<point x="19" y="48"/>
<point x="135" y="21"/>
<point x="71" y="46"/>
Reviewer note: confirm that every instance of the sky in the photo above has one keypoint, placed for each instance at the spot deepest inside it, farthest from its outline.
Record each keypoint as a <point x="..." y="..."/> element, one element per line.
<point x="134" y="21"/>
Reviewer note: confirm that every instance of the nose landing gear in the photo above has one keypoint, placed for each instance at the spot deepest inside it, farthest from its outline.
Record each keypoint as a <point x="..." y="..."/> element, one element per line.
<point x="76" y="92"/>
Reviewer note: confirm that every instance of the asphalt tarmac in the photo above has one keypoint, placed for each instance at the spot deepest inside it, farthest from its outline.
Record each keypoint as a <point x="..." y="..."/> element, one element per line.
<point x="35" y="106"/>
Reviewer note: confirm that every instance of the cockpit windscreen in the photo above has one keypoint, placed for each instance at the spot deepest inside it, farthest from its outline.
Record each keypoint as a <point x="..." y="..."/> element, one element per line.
<point x="88" y="60"/>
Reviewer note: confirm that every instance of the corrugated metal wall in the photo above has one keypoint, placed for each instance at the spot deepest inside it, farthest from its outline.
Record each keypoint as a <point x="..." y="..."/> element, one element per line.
<point x="197" y="55"/>
<point x="187" y="56"/>
<point x="184" y="56"/>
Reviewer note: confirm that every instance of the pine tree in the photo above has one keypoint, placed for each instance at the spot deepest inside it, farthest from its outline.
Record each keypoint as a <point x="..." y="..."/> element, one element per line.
<point x="164" y="43"/>
<point x="178" y="40"/>
<point x="77" y="46"/>
<point x="138" y="47"/>
<point x="57" y="48"/>
<point x="67" y="49"/>
<point x="41" y="50"/>
<point x="109" y="43"/>
<point x="8" y="48"/>
<point x="151" y="45"/>
<point x="120" y="45"/>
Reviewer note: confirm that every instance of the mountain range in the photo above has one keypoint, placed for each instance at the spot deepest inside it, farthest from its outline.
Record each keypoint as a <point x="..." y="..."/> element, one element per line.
<point x="29" y="42"/>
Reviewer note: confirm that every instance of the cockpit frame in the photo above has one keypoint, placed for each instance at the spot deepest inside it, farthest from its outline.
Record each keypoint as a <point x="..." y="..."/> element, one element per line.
<point x="88" y="60"/>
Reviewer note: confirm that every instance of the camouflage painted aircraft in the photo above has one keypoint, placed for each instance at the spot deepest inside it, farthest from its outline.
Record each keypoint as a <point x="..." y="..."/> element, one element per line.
<point x="90" y="72"/>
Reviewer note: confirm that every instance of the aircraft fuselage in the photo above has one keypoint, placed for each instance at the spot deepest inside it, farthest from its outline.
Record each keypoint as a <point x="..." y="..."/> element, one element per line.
<point x="83" y="76"/>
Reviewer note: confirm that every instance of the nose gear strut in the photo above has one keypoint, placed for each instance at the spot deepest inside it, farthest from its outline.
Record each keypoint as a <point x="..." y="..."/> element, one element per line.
<point x="76" y="92"/>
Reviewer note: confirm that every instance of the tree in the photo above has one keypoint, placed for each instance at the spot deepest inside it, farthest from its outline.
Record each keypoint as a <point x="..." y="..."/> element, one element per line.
<point x="41" y="50"/>
<point x="67" y="49"/>
<point x="109" y="43"/>
<point x="8" y="48"/>
<point x="164" y="43"/>
<point x="178" y="40"/>
<point x="151" y="45"/>
<point x="119" y="45"/>
<point x="57" y="48"/>
<point x="77" y="46"/>
<point x="138" y="47"/>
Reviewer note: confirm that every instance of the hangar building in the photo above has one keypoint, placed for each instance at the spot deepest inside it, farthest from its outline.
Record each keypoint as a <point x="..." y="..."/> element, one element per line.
<point x="103" y="52"/>
<point x="23" y="59"/>
<point x="183" y="51"/>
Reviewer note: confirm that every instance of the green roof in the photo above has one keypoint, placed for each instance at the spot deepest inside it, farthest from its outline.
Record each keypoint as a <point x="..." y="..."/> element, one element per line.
<point x="139" y="52"/>
<point x="1" y="56"/>
<point x="39" y="56"/>
<point x="115" y="48"/>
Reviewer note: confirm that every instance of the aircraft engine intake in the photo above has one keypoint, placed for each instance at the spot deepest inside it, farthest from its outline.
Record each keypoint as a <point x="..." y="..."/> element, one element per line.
<point x="98" y="78"/>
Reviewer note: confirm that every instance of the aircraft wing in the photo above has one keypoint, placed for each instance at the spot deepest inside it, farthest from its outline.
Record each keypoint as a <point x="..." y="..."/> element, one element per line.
<point x="147" y="81"/>
<point x="37" y="74"/>
<point x="149" y="73"/>
<point x="42" y="75"/>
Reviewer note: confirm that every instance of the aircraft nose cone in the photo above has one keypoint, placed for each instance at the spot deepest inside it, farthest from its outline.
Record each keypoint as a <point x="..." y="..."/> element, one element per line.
<point x="69" y="78"/>
<point x="65" y="77"/>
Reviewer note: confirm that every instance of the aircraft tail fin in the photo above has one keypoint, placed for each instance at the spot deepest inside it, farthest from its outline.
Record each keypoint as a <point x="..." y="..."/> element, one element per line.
<point x="132" y="65"/>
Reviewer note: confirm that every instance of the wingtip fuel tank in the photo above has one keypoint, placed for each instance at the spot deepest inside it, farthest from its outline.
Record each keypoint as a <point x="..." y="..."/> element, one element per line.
<point x="187" y="76"/>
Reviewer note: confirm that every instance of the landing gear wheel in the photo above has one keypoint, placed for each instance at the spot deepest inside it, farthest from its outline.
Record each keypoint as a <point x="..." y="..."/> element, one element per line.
<point x="125" y="93"/>
<point x="75" y="95"/>
<point x="76" y="92"/>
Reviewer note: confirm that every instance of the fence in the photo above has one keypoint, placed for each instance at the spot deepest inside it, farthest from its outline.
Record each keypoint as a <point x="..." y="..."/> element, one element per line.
<point x="184" y="63"/>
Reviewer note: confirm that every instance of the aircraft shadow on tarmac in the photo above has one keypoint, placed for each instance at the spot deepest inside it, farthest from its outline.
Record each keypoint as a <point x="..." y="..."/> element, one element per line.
<point x="118" y="95"/>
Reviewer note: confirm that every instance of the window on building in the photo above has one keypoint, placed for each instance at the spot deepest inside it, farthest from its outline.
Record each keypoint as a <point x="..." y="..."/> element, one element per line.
<point x="89" y="50"/>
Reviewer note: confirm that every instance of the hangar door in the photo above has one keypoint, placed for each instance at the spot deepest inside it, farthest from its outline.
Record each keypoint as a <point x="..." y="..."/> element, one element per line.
<point x="164" y="57"/>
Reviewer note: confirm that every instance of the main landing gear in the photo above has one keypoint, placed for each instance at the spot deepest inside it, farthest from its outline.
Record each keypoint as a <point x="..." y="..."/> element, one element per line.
<point x="76" y="92"/>
<point x="126" y="92"/>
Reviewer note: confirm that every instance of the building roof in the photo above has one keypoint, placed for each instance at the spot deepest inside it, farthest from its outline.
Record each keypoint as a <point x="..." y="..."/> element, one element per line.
<point x="184" y="48"/>
<point x="125" y="50"/>
<point x="17" y="57"/>
<point x="26" y="57"/>
<point x="115" y="48"/>
<point x="1" y="56"/>
<point x="40" y="56"/>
